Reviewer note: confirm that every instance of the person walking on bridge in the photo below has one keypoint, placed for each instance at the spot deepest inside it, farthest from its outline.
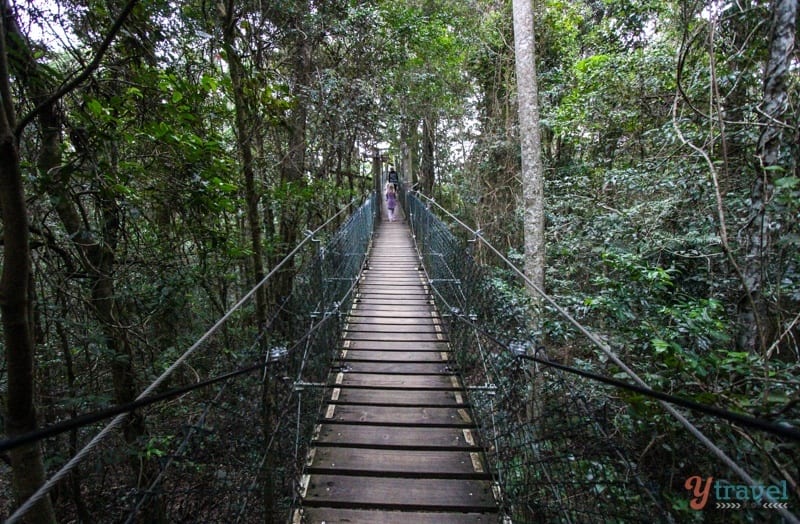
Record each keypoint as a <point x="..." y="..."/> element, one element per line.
<point x="393" y="179"/>
<point x="391" y="200"/>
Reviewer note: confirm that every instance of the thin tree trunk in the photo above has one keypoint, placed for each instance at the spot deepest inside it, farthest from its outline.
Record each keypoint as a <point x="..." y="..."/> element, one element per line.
<point x="292" y="168"/>
<point x="530" y="142"/>
<point x="74" y="482"/>
<point x="753" y="309"/>
<point x="427" y="158"/>
<point x="406" y="169"/>
<point x="99" y="258"/>
<point x="244" y="141"/>
<point x="532" y="171"/>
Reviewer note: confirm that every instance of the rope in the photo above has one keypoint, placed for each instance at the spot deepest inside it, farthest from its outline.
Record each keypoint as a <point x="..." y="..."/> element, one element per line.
<point x="606" y="349"/>
<point x="181" y="449"/>
<point x="103" y="414"/>
<point x="779" y="430"/>
<point x="75" y="460"/>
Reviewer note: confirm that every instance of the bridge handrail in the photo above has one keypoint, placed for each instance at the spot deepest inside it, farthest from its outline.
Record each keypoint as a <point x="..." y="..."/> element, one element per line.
<point x="51" y="482"/>
<point x="606" y="349"/>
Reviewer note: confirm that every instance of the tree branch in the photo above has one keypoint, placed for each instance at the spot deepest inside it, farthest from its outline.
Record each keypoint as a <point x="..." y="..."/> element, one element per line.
<point x="7" y="118"/>
<point x="86" y="73"/>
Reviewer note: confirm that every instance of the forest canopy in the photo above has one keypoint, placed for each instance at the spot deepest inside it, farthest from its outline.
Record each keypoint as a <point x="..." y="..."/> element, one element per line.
<point x="158" y="158"/>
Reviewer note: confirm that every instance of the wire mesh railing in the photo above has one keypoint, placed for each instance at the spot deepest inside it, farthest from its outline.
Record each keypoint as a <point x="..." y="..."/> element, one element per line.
<point x="564" y="449"/>
<point x="230" y="446"/>
<point x="568" y="449"/>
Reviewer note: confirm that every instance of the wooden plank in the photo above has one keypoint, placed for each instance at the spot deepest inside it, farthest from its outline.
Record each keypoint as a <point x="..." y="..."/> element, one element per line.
<point x="396" y="337"/>
<point x="390" y="316"/>
<point x="405" y="274"/>
<point x="363" y="310"/>
<point x="422" y="438"/>
<point x="406" y="416"/>
<point x="392" y="284"/>
<point x="370" y="320"/>
<point x="389" y="462"/>
<point x="351" y="516"/>
<point x="396" y="381"/>
<point x="341" y="491"/>
<point x="407" y="268"/>
<point x="420" y="309"/>
<point x="434" y="367"/>
<point x="411" y="356"/>
<point x="410" y="295"/>
<point x="399" y="277"/>
<point x="364" y="320"/>
<point x="404" y="303"/>
<point x="422" y="330"/>
<point x="400" y="397"/>
<point x="395" y="318"/>
<point x="389" y="285"/>
<point x="398" y="345"/>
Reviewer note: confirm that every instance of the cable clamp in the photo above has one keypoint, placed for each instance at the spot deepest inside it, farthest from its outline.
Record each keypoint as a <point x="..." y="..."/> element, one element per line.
<point x="302" y="386"/>
<point x="475" y="236"/>
<point x="487" y="388"/>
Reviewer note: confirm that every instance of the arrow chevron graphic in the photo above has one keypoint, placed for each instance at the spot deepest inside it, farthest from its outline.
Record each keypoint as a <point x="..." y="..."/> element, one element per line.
<point x="775" y="505"/>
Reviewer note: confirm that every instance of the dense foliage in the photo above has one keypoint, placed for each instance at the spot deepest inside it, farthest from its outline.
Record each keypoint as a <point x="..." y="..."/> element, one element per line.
<point x="164" y="178"/>
<point x="652" y="118"/>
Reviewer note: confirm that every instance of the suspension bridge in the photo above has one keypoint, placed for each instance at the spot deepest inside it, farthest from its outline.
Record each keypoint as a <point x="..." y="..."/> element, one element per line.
<point x="396" y="433"/>
<point x="401" y="382"/>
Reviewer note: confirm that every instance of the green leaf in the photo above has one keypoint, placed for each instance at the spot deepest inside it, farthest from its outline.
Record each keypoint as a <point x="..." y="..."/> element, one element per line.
<point x="95" y="107"/>
<point x="134" y="92"/>
<point x="787" y="182"/>
<point x="661" y="346"/>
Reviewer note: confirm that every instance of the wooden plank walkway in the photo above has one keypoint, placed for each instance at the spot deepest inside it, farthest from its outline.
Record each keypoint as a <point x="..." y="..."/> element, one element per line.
<point x="396" y="440"/>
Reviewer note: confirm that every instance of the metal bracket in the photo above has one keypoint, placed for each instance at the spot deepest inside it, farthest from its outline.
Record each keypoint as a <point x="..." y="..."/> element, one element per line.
<point x="491" y="389"/>
<point x="302" y="386"/>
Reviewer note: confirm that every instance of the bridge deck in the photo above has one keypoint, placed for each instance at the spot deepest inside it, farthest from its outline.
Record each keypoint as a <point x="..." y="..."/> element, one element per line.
<point x="396" y="440"/>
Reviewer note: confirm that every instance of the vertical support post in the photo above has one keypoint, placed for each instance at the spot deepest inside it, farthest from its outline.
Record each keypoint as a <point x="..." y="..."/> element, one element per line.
<point x="321" y="277"/>
<point x="376" y="176"/>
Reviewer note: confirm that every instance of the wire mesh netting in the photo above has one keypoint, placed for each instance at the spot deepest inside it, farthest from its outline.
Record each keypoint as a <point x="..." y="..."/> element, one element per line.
<point x="564" y="448"/>
<point x="231" y="451"/>
<point x="268" y="417"/>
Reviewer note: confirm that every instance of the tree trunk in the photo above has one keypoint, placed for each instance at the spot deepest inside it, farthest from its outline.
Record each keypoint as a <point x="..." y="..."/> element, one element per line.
<point x="74" y="482"/>
<point x="426" y="168"/>
<point x="530" y="142"/>
<point x="753" y="308"/>
<point x="532" y="171"/>
<point x="407" y="145"/>
<point x="376" y="183"/>
<point x="99" y="254"/>
<point x="27" y="464"/>
<point x="15" y="304"/>
<point x="244" y="142"/>
<point x="292" y="174"/>
<point x="293" y="162"/>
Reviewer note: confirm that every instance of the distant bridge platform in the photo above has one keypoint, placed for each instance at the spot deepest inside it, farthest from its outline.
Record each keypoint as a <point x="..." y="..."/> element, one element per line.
<point x="396" y="439"/>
